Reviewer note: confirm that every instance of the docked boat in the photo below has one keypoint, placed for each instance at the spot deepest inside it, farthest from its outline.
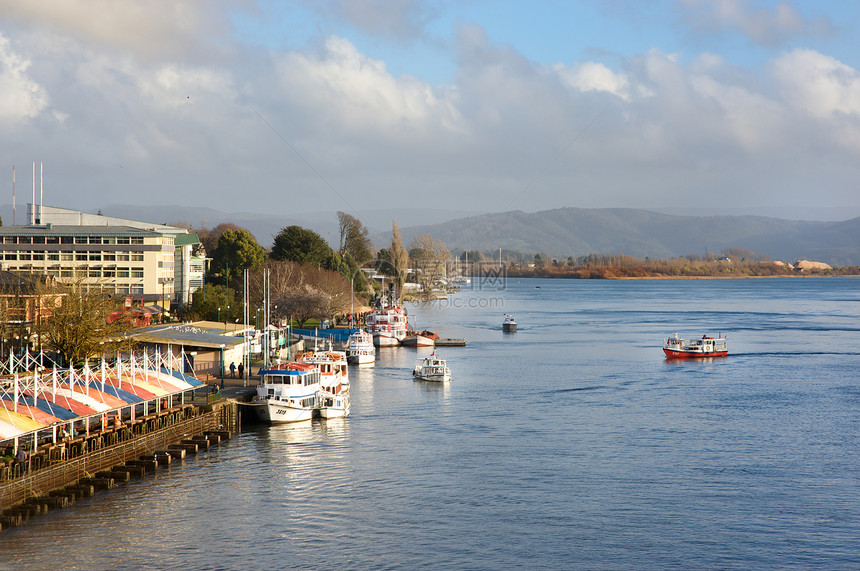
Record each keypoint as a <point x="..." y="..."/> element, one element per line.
<point x="360" y="348"/>
<point x="677" y="348"/>
<point x="287" y="393"/>
<point x="387" y="324"/>
<point x="420" y="339"/>
<point x="431" y="368"/>
<point x="509" y="325"/>
<point x="333" y="397"/>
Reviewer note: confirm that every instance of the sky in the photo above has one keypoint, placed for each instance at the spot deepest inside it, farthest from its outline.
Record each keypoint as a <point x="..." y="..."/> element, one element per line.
<point x="687" y="106"/>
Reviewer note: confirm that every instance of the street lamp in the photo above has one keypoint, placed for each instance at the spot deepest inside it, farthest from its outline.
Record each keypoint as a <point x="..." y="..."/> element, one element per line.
<point x="219" y="314"/>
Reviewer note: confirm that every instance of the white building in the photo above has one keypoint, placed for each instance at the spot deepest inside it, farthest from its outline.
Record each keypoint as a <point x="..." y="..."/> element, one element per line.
<point x="151" y="262"/>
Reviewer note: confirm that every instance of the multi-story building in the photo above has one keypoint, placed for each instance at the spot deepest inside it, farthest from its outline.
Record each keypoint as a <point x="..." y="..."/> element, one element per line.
<point x="149" y="262"/>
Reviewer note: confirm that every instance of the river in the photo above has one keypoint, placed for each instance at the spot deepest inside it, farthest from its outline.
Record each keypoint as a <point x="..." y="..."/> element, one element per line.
<point x="571" y="443"/>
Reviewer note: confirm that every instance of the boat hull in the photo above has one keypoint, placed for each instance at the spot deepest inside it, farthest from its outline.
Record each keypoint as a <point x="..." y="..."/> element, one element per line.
<point x="509" y="327"/>
<point x="334" y="406"/>
<point x="432" y="378"/>
<point x="418" y="341"/>
<point x="676" y="354"/>
<point x="361" y="358"/>
<point x="276" y="412"/>
<point x="384" y="340"/>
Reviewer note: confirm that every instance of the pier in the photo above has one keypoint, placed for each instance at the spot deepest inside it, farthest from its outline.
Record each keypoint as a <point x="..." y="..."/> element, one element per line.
<point x="67" y="433"/>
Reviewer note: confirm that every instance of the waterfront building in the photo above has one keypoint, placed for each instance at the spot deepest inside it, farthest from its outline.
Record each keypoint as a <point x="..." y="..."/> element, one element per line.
<point x="151" y="263"/>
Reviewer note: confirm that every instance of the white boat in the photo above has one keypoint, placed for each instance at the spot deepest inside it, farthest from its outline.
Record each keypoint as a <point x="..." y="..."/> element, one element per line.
<point x="360" y="349"/>
<point x="677" y="348"/>
<point x="509" y="325"/>
<point x="431" y="368"/>
<point x="333" y="398"/>
<point x="333" y="404"/>
<point x="388" y="325"/>
<point x="287" y="393"/>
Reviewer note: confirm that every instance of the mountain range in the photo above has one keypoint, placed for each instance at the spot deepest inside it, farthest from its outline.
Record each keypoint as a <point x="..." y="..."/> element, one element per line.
<point x="559" y="232"/>
<point x="574" y="232"/>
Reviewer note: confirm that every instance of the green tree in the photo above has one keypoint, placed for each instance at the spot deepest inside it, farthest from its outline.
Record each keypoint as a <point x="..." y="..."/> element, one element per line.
<point x="236" y="251"/>
<point x="213" y="303"/>
<point x="300" y="245"/>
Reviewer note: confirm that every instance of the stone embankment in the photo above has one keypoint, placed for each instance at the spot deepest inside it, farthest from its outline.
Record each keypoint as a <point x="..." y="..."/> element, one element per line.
<point x="59" y="474"/>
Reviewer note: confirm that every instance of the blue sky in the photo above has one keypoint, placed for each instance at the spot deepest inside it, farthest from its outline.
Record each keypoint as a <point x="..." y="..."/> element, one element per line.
<point x="690" y="106"/>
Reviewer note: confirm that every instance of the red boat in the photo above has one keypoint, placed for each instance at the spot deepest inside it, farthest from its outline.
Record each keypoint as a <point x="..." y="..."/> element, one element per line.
<point x="677" y="348"/>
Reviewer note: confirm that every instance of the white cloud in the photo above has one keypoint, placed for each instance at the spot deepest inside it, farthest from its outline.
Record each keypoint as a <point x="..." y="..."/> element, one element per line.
<point x="346" y="88"/>
<point x="21" y="98"/>
<point x="818" y="84"/>
<point x="592" y="76"/>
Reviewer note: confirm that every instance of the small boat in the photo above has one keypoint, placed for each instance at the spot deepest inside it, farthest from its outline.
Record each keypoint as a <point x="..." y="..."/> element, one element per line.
<point x="360" y="349"/>
<point x="287" y="393"/>
<point x="509" y="325"/>
<point x="333" y="397"/>
<point x="431" y="368"/>
<point x="421" y="339"/>
<point x="677" y="348"/>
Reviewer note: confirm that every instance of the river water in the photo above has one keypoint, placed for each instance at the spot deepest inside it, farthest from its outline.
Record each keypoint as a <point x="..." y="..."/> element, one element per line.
<point x="571" y="443"/>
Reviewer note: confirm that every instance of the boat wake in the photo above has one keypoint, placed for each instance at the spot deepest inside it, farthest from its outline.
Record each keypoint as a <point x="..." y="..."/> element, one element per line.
<point x="794" y="353"/>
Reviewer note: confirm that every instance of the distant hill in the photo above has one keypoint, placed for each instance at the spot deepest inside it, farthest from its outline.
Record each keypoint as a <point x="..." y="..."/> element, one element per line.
<point x="576" y="231"/>
<point x="559" y="233"/>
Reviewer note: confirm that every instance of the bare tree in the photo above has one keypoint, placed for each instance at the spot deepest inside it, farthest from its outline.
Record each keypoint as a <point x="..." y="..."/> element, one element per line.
<point x="428" y="256"/>
<point x="83" y="323"/>
<point x="399" y="260"/>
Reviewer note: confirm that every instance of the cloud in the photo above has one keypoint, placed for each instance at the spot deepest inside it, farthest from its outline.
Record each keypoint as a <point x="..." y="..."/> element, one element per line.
<point x="769" y="27"/>
<point x="21" y="97"/>
<point x="348" y="90"/>
<point x="396" y="19"/>
<point x="818" y="84"/>
<point x="149" y="29"/>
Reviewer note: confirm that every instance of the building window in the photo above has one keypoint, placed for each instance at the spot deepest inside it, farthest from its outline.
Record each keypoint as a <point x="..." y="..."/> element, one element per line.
<point x="122" y="256"/>
<point x="138" y="240"/>
<point x="95" y="239"/>
<point x="123" y="240"/>
<point x="137" y="273"/>
<point x="80" y="239"/>
<point x="81" y="257"/>
<point x="95" y="257"/>
<point x="66" y="240"/>
<point x="54" y="257"/>
<point x="11" y="256"/>
<point x="52" y="240"/>
<point x="122" y="273"/>
<point x="137" y="257"/>
<point x="94" y="273"/>
<point x="137" y="289"/>
<point x="10" y="239"/>
<point x="66" y="257"/>
<point x="109" y="257"/>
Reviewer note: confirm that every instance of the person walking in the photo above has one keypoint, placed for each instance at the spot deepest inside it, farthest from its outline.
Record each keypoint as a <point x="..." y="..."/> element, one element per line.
<point x="232" y="370"/>
<point x="241" y="370"/>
